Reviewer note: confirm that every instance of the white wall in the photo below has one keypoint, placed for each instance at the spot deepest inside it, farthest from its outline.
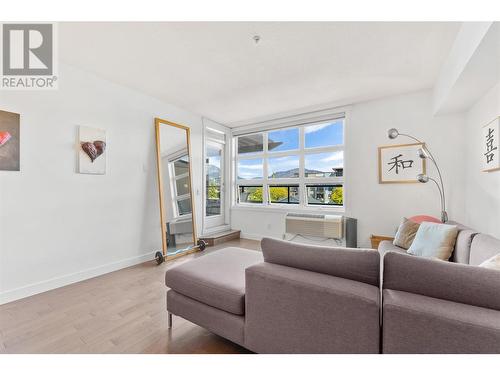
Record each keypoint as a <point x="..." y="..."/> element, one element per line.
<point x="482" y="189"/>
<point x="466" y="44"/>
<point x="57" y="226"/>
<point x="379" y="208"/>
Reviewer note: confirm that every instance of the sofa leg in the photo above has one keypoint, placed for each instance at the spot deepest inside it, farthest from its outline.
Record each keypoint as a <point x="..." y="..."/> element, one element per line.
<point x="169" y="320"/>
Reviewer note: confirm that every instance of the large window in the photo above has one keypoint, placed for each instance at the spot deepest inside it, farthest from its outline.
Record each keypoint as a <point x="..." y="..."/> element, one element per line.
<point x="299" y="165"/>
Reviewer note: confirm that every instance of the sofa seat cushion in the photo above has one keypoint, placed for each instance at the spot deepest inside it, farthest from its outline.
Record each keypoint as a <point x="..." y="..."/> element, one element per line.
<point x="216" y="279"/>
<point x="416" y="324"/>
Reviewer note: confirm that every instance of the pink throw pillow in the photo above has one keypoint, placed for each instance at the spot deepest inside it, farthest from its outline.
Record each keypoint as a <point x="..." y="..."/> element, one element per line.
<point x="421" y="218"/>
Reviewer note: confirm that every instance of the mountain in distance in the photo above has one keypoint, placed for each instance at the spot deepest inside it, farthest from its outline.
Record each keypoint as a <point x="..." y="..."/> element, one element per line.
<point x="309" y="172"/>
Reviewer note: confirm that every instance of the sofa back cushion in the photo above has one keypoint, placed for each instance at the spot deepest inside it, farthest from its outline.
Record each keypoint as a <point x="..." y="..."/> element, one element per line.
<point x="482" y="248"/>
<point x="461" y="253"/>
<point x="444" y="280"/>
<point x="493" y="263"/>
<point x="355" y="264"/>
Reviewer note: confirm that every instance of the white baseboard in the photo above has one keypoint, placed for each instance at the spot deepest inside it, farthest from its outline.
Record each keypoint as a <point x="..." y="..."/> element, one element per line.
<point x="222" y="228"/>
<point x="57" y="282"/>
<point x="251" y="236"/>
<point x="258" y="237"/>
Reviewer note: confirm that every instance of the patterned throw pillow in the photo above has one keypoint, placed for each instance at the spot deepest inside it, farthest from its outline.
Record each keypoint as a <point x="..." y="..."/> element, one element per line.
<point x="406" y="233"/>
<point x="434" y="241"/>
<point x="493" y="263"/>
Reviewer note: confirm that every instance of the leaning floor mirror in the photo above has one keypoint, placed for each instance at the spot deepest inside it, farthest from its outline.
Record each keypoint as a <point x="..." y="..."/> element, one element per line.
<point x="178" y="226"/>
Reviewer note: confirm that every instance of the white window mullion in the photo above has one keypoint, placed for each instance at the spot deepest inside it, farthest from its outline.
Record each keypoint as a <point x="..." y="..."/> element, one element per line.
<point x="302" y="197"/>
<point x="265" y="187"/>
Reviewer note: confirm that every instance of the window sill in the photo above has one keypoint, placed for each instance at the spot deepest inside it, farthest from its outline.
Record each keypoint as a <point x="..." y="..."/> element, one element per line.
<point x="288" y="208"/>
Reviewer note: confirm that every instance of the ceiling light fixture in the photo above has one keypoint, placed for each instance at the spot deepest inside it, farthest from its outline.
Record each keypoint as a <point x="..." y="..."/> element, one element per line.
<point x="256" y="39"/>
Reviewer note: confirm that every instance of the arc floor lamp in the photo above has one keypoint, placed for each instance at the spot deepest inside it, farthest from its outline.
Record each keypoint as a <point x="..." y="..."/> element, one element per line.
<point x="425" y="153"/>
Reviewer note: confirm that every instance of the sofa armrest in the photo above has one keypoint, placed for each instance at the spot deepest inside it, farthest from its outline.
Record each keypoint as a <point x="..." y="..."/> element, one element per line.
<point x="355" y="264"/>
<point x="289" y="310"/>
<point x="444" y="280"/>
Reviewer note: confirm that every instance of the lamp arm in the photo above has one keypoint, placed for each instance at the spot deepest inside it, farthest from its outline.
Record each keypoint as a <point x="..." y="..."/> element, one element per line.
<point x="441" y="195"/>
<point x="412" y="137"/>
<point x="441" y="190"/>
<point x="440" y="178"/>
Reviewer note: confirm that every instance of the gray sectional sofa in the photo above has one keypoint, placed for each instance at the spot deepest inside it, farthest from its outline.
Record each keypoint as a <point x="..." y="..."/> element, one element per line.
<point x="295" y="298"/>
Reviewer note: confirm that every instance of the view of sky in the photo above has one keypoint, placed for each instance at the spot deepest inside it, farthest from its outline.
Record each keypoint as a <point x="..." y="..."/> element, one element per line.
<point x="328" y="134"/>
<point x="319" y="135"/>
<point x="288" y="137"/>
<point x="250" y="169"/>
<point x="324" y="162"/>
<point x="281" y="164"/>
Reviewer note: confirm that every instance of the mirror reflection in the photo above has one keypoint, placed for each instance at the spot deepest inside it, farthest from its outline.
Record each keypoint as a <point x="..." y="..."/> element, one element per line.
<point x="175" y="184"/>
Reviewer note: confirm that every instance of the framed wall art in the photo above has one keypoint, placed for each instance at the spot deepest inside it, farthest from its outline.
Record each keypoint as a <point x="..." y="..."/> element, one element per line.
<point x="400" y="163"/>
<point x="10" y="137"/>
<point x="91" y="150"/>
<point x="490" y="146"/>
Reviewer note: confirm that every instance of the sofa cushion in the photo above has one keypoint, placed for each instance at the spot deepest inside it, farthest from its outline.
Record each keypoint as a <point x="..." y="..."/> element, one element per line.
<point x="386" y="246"/>
<point x="492" y="263"/>
<point x="221" y="322"/>
<point x="216" y="279"/>
<point x="444" y="280"/>
<point x="482" y="248"/>
<point x="354" y="264"/>
<point x="461" y="253"/>
<point x="406" y="233"/>
<point x="418" y="324"/>
<point x="434" y="241"/>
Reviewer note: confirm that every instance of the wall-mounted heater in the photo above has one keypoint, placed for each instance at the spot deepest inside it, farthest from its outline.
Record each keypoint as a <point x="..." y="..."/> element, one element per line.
<point x="336" y="227"/>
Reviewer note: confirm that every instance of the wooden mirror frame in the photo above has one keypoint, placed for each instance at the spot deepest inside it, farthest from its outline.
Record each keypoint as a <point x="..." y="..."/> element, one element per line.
<point x="158" y="123"/>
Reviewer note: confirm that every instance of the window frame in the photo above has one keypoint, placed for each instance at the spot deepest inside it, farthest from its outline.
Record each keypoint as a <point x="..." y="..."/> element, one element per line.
<point x="323" y="185"/>
<point x="176" y="198"/>
<point x="288" y="186"/>
<point x="301" y="181"/>
<point x="251" y="204"/>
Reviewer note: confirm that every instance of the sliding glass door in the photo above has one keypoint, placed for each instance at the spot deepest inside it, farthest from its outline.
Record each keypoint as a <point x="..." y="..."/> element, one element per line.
<point x="214" y="184"/>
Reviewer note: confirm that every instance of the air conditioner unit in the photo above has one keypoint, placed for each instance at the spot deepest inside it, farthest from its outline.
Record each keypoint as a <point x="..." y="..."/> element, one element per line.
<point x="328" y="226"/>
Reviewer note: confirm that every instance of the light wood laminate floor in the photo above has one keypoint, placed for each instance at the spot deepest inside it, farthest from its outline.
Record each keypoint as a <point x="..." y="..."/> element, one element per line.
<point x="120" y="312"/>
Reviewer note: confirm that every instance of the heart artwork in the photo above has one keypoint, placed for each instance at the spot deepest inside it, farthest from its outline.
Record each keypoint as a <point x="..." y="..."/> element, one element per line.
<point x="4" y="137"/>
<point x="94" y="149"/>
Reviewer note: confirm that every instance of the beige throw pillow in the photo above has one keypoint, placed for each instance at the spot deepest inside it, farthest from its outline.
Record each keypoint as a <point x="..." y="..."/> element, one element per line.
<point x="406" y="233"/>
<point x="492" y="263"/>
<point x="434" y="241"/>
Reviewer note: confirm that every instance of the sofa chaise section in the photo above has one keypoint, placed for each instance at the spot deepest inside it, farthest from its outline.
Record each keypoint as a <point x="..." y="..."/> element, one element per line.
<point x="210" y="291"/>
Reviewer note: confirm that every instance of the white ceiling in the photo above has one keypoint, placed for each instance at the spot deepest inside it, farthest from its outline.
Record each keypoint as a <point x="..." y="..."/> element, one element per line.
<point x="217" y="70"/>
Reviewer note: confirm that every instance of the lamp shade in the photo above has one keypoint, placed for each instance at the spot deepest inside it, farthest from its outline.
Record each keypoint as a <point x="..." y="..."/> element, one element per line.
<point x="422" y="153"/>
<point x="392" y="133"/>
<point x="422" y="178"/>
